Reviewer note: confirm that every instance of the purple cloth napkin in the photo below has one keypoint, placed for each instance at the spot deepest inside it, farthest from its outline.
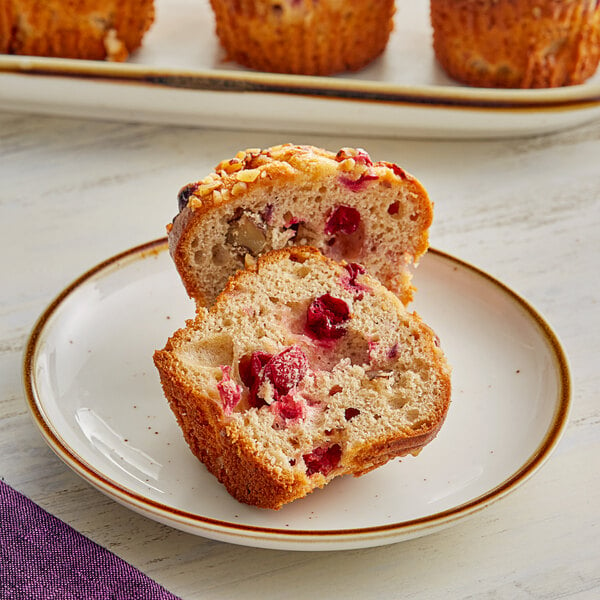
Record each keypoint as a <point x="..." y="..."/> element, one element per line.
<point x="42" y="558"/>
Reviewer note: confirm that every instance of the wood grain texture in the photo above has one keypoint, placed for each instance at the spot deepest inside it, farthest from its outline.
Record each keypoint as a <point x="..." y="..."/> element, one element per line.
<point x="527" y="211"/>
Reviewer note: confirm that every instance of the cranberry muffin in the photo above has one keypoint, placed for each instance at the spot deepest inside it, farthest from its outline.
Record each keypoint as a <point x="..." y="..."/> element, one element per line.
<point x="517" y="43"/>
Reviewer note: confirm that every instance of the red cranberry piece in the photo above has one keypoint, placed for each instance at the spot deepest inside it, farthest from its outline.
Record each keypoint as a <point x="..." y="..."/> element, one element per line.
<point x="286" y="369"/>
<point x="326" y="316"/>
<point x="397" y="170"/>
<point x="359" y="156"/>
<point x="393" y="351"/>
<point x="283" y="371"/>
<point x="362" y="158"/>
<point x="323" y="459"/>
<point x="288" y="409"/>
<point x="400" y="172"/>
<point x="251" y="365"/>
<point x="350" y="413"/>
<point x="229" y="391"/>
<point x="356" y="185"/>
<point x="393" y="208"/>
<point x="251" y="369"/>
<point x="184" y="195"/>
<point x="344" y="218"/>
<point x="354" y="269"/>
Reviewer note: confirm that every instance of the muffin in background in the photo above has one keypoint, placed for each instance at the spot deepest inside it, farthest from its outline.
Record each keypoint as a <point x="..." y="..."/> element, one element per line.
<point x="88" y="29"/>
<point x="517" y="43"/>
<point x="308" y="37"/>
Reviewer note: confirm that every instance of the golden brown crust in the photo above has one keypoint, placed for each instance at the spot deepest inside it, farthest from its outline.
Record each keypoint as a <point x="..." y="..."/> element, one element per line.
<point x="87" y="29"/>
<point x="289" y="165"/>
<point x="231" y="453"/>
<point x="255" y="167"/>
<point x="308" y="37"/>
<point x="229" y="456"/>
<point x="517" y="43"/>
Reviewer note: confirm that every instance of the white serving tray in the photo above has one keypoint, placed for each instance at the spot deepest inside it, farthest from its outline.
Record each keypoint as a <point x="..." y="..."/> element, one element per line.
<point x="179" y="77"/>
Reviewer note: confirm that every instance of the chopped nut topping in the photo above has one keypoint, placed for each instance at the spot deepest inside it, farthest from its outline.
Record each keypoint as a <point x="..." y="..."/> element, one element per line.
<point x="239" y="188"/>
<point x="248" y="175"/>
<point x="207" y="187"/>
<point x="358" y="154"/>
<point x="195" y="202"/>
<point x="228" y="167"/>
<point x="347" y="164"/>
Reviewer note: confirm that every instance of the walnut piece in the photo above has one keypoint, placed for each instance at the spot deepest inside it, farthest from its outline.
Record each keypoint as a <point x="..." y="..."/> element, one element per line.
<point x="246" y="233"/>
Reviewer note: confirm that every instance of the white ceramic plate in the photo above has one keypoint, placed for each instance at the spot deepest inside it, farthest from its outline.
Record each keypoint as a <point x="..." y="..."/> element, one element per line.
<point x="179" y="77"/>
<point x="95" y="395"/>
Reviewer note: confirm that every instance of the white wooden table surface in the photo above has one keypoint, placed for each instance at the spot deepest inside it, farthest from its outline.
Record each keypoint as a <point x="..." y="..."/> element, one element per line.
<point x="527" y="211"/>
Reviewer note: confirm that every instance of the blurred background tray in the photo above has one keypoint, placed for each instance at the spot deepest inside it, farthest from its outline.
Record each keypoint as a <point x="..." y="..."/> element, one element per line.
<point x="180" y="77"/>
